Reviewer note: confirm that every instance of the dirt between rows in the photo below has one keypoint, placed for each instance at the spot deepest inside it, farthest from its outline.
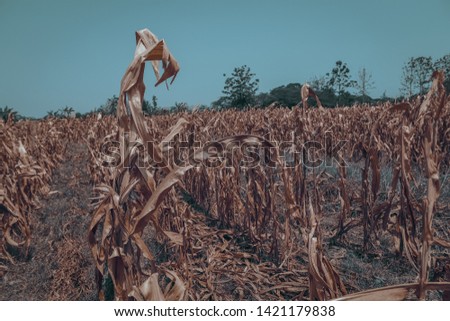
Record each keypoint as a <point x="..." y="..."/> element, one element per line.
<point x="59" y="265"/>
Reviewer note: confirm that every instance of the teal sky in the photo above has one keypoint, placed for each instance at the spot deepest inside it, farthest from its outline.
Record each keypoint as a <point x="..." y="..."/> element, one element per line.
<point x="58" y="53"/>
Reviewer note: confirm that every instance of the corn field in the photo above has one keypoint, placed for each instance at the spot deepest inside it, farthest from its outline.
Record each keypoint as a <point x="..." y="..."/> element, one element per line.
<point x="258" y="204"/>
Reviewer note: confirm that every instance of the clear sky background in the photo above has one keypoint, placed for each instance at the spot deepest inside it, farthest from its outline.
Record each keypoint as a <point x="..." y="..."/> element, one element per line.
<point x="74" y="53"/>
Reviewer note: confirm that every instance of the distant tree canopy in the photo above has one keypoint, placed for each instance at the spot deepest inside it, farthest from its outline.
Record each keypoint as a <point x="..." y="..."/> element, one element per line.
<point x="110" y="107"/>
<point x="7" y="112"/>
<point x="62" y="113"/>
<point x="287" y="95"/>
<point x="416" y="75"/>
<point x="239" y="90"/>
<point x="332" y="89"/>
<point x="417" y="71"/>
<point x="339" y="79"/>
<point x="179" y="107"/>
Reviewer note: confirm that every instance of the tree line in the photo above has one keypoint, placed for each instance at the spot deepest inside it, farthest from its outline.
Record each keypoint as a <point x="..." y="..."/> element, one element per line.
<point x="335" y="88"/>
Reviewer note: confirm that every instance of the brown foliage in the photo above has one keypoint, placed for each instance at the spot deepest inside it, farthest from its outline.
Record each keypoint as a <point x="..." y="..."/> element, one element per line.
<point x="270" y="207"/>
<point x="172" y="223"/>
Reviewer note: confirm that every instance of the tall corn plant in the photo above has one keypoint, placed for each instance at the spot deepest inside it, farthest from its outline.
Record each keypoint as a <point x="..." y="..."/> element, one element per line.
<point x="130" y="203"/>
<point x="29" y="153"/>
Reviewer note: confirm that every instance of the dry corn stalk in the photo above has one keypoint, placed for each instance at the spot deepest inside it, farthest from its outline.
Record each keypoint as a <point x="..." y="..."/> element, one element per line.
<point x="29" y="153"/>
<point x="325" y="282"/>
<point x="129" y="204"/>
<point x="305" y="92"/>
<point x="433" y="106"/>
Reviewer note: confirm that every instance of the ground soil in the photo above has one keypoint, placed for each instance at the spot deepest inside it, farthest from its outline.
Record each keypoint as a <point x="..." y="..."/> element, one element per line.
<point x="59" y="264"/>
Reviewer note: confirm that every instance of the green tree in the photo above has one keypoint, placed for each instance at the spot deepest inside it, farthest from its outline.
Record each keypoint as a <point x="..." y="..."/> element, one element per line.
<point x="340" y="79"/>
<point x="110" y="107"/>
<point x="318" y="83"/>
<point x="264" y="99"/>
<point x="287" y="95"/>
<point x="416" y="75"/>
<point x="180" y="107"/>
<point x="240" y="88"/>
<point x="221" y="103"/>
<point x="150" y="108"/>
<point x="154" y="102"/>
<point x="51" y="114"/>
<point x="423" y="67"/>
<point x="6" y="112"/>
<point x="323" y="91"/>
<point x="407" y="82"/>
<point x="67" y="111"/>
<point x="327" y="97"/>
<point x="147" y="108"/>
<point x="55" y="114"/>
